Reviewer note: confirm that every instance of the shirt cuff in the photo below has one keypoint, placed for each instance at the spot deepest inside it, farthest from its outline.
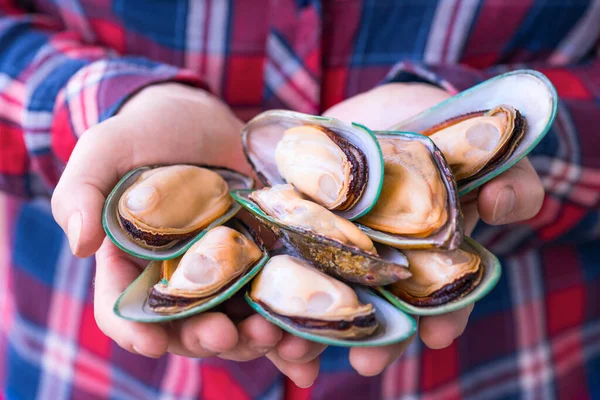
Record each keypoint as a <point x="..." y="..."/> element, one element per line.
<point x="452" y="78"/>
<point x="97" y="92"/>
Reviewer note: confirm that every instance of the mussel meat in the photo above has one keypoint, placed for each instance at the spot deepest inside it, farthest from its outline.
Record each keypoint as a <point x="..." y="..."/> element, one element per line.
<point x="477" y="142"/>
<point x="413" y="199"/>
<point x="438" y="276"/>
<point x="285" y="204"/>
<point x="172" y="203"/>
<point x="312" y="301"/>
<point x="207" y="268"/>
<point x="323" y="166"/>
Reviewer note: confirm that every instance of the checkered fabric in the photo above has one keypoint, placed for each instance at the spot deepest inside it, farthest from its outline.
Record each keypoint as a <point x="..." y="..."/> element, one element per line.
<point x="66" y="65"/>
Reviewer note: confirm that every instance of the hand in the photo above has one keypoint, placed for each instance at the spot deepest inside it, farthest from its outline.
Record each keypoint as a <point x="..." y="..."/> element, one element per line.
<point x="164" y="124"/>
<point x="513" y="196"/>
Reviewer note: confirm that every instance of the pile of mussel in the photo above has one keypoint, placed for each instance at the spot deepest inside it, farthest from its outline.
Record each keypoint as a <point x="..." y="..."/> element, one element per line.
<point x="369" y="223"/>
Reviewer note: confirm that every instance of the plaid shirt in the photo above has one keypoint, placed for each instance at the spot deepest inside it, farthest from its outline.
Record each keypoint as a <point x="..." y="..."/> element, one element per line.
<point x="66" y="65"/>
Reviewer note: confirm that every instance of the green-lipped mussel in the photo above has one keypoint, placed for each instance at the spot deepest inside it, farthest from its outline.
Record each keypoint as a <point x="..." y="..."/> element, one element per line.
<point x="291" y="293"/>
<point x="157" y="212"/>
<point x="488" y="128"/>
<point x="444" y="280"/>
<point x="218" y="265"/>
<point x="332" y="243"/>
<point x="418" y="206"/>
<point x="311" y="300"/>
<point x="336" y="165"/>
<point x="211" y="264"/>
<point x="478" y="142"/>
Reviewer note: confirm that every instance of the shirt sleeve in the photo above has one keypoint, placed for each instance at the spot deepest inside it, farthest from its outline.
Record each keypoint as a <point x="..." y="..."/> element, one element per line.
<point x="54" y="86"/>
<point x="566" y="159"/>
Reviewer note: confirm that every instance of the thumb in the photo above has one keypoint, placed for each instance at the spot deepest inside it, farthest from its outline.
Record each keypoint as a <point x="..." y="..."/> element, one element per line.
<point x="80" y="216"/>
<point x="78" y="199"/>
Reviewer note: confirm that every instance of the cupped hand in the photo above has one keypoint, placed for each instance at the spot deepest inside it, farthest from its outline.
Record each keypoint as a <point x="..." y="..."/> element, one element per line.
<point x="164" y="124"/>
<point x="513" y="196"/>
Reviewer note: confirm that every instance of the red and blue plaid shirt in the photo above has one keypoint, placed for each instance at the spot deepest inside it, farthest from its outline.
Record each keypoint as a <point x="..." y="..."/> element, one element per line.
<point x="66" y="65"/>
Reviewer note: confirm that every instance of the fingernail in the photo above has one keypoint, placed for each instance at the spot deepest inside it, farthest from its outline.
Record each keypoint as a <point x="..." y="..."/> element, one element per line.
<point x="259" y="348"/>
<point x="145" y="354"/>
<point x="505" y="204"/>
<point x="74" y="231"/>
<point x="305" y="386"/>
<point x="210" y="348"/>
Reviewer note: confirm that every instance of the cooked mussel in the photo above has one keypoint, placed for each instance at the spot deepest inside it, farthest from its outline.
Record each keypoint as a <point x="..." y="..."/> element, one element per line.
<point x="212" y="263"/>
<point x="477" y="142"/>
<point x="310" y="300"/>
<point x="488" y="128"/>
<point x="336" y="165"/>
<point x="438" y="276"/>
<point x="418" y="206"/>
<point x="333" y="244"/>
<point x="444" y="280"/>
<point x="288" y="206"/>
<point x="158" y="212"/>
<point x="292" y="294"/>
<point x="217" y="266"/>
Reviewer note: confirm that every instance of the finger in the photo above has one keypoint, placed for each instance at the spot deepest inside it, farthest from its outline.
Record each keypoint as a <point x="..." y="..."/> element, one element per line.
<point x="515" y="195"/>
<point x="77" y="202"/>
<point x="439" y="331"/>
<point x="297" y="350"/>
<point x="372" y="361"/>
<point x="468" y="205"/>
<point x="114" y="273"/>
<point x="257" y="338"/>
<point x="203" y="335"/>
<point x="303" y="375"/>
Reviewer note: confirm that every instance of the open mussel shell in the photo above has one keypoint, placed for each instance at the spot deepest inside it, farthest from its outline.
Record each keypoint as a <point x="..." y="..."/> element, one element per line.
<point x="491" y="271"/>
<point x="321" y="309"/>
<point x="355" y="144"/>
<point x="528" y="92"/>
<point x="133" y="302"/>
<point x="449" y="235"/>
<point x="346" y="262"/>
<point x="116" y="233"/>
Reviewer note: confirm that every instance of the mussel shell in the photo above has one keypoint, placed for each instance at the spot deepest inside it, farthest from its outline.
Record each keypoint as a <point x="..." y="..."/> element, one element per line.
<point x="491" y="274"/>
<point x="528" y="91"/>
<point x="394" y="325"/>
<point x="261" y="134"/>
<point x="450" y="236"/>
<point x="122" y="240"/>
<point x="348" y="263"/>
<point x="132" y="304"/>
